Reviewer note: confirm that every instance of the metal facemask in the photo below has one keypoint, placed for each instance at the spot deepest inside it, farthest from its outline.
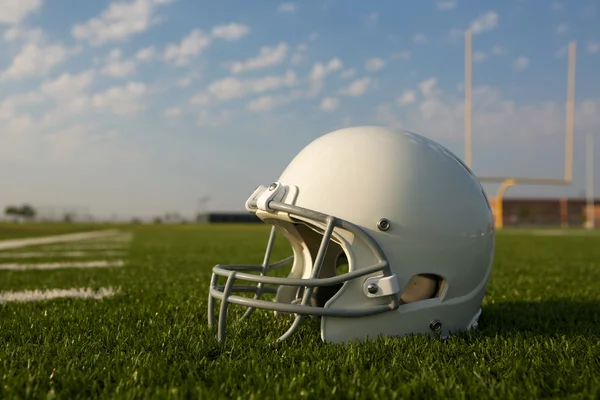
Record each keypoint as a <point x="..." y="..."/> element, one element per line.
<point x="369" y="287"/>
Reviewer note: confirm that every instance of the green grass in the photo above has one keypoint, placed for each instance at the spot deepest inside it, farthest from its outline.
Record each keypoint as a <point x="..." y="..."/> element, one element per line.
<point x="539" y="333"/>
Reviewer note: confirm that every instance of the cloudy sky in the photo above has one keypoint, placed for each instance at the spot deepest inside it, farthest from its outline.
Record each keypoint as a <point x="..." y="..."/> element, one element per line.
<point x="139" y="107"/>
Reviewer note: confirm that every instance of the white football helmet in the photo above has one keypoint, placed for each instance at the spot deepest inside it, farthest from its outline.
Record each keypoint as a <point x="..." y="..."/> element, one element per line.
<point x="407" y="217"/>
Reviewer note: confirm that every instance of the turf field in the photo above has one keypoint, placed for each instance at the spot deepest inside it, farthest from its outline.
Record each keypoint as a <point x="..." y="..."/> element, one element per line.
<point x="539" y="333"/>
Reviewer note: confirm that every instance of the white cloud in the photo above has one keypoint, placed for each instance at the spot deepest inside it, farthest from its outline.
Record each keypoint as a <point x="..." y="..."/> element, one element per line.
<point x="230" y="32"/>
<point x="427" y="87"/>
<point x="185" y="81"/>
<point x="319" y="72"/>
<point x="329" y="104"/>
<point x="289" y="8"/>
<point x="556" y="6"/>
<point x="116" y="66"/>
<point x="455" y="33"/>
<point x="269" y="102"/>
<point x="370" y="20"/>
<point x="68" y="97"/>
<point x="263" y="103"/>
<point x="374" y="64"/>
<point x="479" y="56"/>
<point x="347" y="74"/>
<point x="121" y="20"/>
<point x="121" y="100"/>
<point x="190" y="47"/>
<point x="403" y="55"/>
<point x="9" y="106"/>
<point x="213" y="118"/>
<point x="498" y="50"/>
<point x="145" y="54"/>
<point x="300" y="56"/>
<point x="485" y="23"/>
<point x="385" y="115"/>
<point x="35" y="60"/>
<point x="231" y="88"/>
<point x="419" y="38"/>
<point x="521" y="63"/>
<point x="202" y="98"/>
<point x="66" y="109"/>
<point x="357" y="88"/>
<point x="35" y="35"/>
<point x="173" y="112"/>
<point x="68" y="85"/>
<point x="313" y="36"/>
<point x="494" y="117"/>
<point x="297" y="59"/>
<point x="561" y="52"/>
<point x="446" y="4"/>
<point x="562" y="28"/>
<point x="267" y="57"/>
<point x="407" y="97"/>
<point x="13" y="12"/>
<point x="593" y="47"/>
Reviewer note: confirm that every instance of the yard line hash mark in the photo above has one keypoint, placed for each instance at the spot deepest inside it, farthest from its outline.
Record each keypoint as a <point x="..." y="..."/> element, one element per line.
<point x="40" y="295"/>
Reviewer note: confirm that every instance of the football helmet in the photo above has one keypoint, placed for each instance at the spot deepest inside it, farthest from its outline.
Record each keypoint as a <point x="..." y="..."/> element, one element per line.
<point x="408" y="218"/>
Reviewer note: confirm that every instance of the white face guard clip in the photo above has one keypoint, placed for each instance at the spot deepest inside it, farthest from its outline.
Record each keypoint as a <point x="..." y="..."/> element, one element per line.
<point x="379" y="285"/>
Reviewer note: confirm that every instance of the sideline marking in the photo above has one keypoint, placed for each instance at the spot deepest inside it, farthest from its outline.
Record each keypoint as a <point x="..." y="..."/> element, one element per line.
<point x="39" y="295"/>
<point x="66" y="254"/>
<point x="83" y="247"/>
<point x="58" y="265"/>
<point x="70" y="237"/>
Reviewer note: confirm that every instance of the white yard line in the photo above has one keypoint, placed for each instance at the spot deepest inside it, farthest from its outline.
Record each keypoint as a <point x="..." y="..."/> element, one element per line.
<point x="61" y="265"/>
<point x="120" y="238"/>
<point x="562" y="232"/>
<point x="66" y="254"/>
<point x="83" y="247"/>
<point x="39" y="295"/>
<point x="71" y="237"/>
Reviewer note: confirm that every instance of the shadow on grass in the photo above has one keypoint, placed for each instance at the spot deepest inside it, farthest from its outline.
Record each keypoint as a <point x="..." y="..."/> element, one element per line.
<point x="545" y="317"/>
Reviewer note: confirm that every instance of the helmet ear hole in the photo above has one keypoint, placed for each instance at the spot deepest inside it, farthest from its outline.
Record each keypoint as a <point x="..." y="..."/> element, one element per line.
<point x="421" y="287"/>
<point x="322" y="294"/>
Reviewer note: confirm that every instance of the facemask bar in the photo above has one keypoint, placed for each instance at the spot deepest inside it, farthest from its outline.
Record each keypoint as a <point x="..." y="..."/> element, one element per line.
<point x="233" y="272"/>
<point x="263" y="271"/>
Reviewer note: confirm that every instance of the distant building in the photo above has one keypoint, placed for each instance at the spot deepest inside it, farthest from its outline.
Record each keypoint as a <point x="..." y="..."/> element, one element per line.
<point x="222" y="217"/>
<point x="516" y="212"/>
<point x="544" y="212"/>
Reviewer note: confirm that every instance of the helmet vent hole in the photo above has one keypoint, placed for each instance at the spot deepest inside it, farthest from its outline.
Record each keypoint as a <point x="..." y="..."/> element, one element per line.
<point x="422" y="287"/>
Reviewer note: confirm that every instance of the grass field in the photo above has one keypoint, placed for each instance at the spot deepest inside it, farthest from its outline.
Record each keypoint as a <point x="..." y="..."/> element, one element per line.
<point x="539" y="333"/>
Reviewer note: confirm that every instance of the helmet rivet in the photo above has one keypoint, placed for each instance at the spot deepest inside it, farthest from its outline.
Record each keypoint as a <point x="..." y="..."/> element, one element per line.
<point x="435" y="325"/>
<point x="372" y="288"/>
<point x="272" y="186"/>
<point x="383" y="224"/>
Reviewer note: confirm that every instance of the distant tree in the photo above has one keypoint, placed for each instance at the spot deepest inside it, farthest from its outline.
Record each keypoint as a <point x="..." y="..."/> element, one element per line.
<point x="68" y="218"/>
<point x="171" y="217"/>
<point x="12" y="211"/>
<point x="28" y="212"/>
<point x="136" y="221"/>
<point x="158" y="220"/>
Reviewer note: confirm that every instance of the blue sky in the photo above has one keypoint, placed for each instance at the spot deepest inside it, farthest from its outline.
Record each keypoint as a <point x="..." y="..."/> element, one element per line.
<point x="140" y="107"/>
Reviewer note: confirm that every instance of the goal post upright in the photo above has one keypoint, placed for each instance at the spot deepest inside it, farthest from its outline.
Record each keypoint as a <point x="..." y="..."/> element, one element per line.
<point x="508" y="181"/>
